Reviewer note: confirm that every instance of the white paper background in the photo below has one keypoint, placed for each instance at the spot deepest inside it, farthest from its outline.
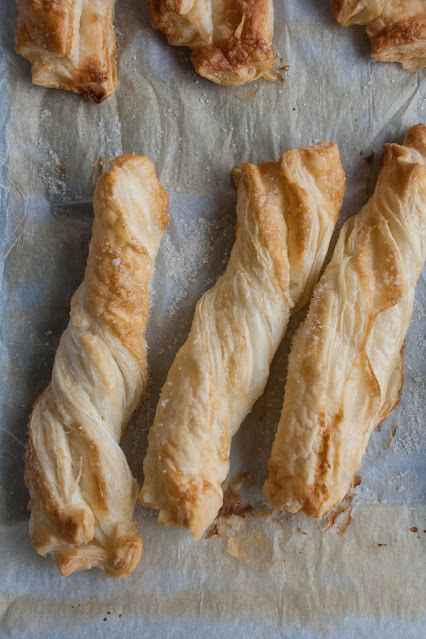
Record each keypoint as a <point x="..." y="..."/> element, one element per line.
<point x="292" y="585"/>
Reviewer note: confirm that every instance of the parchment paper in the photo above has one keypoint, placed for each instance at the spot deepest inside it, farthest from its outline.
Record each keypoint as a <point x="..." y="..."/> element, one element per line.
<point x="279" y="576"/>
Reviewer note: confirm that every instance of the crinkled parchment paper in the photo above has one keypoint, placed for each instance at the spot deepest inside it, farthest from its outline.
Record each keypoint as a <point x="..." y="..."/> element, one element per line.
<point x="276" y="576"/>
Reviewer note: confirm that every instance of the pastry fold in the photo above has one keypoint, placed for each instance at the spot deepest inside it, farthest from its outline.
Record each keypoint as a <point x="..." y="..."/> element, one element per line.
<point x="70" y="44"/>
<point x="230" y="39"/>
<point x="349" y="12"/>
<point x="82" y="490"/>
<point x="286" y="212"/>
<point x="399" y="34"/>
<point x="396" y="28"/>
<point x="346" y="364"/>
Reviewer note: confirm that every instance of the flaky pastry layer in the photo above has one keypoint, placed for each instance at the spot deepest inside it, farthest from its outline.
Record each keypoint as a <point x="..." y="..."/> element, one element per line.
<point x="397" y="28"/>
<point x="230" y="40"/>
<point x="346" y="363"/>
<point x="70" y="44"/>
<point x="82" y="490"/>
<point x="286" y="212"/>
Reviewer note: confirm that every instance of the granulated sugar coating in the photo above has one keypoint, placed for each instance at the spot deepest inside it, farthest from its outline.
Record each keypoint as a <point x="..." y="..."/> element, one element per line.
<point x="187" y="259"/>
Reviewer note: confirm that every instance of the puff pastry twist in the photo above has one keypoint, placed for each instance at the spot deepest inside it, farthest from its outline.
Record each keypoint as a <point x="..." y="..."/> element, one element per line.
<point x="230" y="39"/>
<point x="346" y="365"/>
<point x="82" y="490"/>
<point x="70" y="44"/>
<point x="286" y="212"/>
<point x="396" y="28"/>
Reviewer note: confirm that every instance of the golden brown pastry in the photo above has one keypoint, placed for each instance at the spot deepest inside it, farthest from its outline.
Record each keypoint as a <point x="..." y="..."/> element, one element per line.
<point x="346" y="364"/>
<point x="230" y="40"/>
<point x="82" y="490"/>
<point x="70" y="44"/>
<point x="399" y="34"/>
<point x="349" y="12"/>
<point x="397" y="28"/>
<point x="286" y="212"/>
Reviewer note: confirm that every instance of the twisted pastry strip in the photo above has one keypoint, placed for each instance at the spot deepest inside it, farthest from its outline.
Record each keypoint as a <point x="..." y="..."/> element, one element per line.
<point x="230" y="39"/>
<point x="82" y="490"/>
<point x="70" y="44"/>
<point x="396" y="28"/>
<point x="346" y="365"/>
<point x="286" y="213"/>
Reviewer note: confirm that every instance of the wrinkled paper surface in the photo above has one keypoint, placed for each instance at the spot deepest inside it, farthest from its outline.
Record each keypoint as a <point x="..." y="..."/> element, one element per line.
<point x="277" y="576"/>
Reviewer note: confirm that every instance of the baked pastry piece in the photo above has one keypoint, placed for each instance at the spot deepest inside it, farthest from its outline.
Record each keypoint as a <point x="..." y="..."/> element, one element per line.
<point x="230" y="39"/>
<point x="82" y="490"/>
<point x="399" y="33"/>
<point x="349" y="12"/>
<point x="346" y="364"/>
<point x="397" y="28"/>
<point x="70" y="44"/>
<point x="286" y="212"/>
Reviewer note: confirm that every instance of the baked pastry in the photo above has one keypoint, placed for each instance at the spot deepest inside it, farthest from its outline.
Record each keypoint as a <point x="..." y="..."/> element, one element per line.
<point x="346" y="364"/>
<point x="70" y="44"/>
<point x="82" y="490"/>
<point x="397" y="28"/>
<point x="286" y="212"/>
<point x="399" y="34"/>
<point x="230" y="41"/>
<point x="349" y="12"/>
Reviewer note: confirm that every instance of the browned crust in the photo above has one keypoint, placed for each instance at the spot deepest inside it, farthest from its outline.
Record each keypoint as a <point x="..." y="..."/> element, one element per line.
<point x="319" y="487"/>
<point x="75" y="526"/>
<point x="119" y="562"/>
<point x="400" y="173"/>
<point x="415" y="138"/>
<point x="319" y="491"/>
<point x="388" y="42"/>
<point x="326" y="462"/>
<point x="321" y="161"/>
<point x="48" y="22"/>
<point x="397" y="30"/>
<point x="313" y="502"/>
<point x="44" y="36"/>
<point x="243" y="55"/>
<point x="102" y="277"/>
<point x="258" y="183"/>
<point x="337" y="5"/>
<point x="112" y="240"/>
<point x="233" y="58"/>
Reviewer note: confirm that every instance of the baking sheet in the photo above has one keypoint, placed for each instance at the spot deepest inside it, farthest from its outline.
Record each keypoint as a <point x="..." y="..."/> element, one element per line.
<point x="280" y="576"/>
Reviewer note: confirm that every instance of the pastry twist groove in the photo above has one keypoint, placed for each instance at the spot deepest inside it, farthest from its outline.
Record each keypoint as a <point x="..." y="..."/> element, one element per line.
<point x="82" y="490"/>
